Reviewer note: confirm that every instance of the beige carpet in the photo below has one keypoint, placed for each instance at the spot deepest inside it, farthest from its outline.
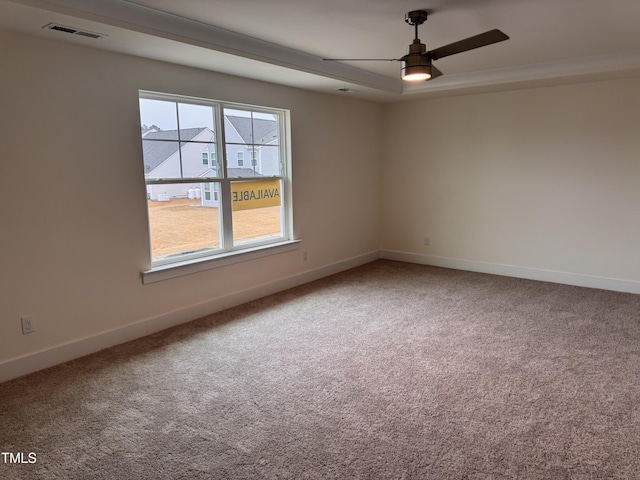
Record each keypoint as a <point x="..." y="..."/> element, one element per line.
<point x="388" y="371"/>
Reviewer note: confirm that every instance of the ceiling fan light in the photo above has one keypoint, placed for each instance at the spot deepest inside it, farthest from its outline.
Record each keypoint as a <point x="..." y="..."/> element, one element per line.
<point x="415" y="76"/>
<point x="416" y="67"/>
<point x="416" y="73"/>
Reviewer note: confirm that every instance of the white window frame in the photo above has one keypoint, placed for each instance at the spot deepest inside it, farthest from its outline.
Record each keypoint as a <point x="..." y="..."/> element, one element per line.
<point x="228" y="253"/>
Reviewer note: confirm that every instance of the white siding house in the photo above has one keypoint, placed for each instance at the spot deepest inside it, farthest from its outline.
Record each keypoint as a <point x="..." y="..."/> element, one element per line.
<point x="252" y="150"/>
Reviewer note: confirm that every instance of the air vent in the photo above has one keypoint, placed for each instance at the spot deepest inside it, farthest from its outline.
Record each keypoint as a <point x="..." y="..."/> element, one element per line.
<point x="73" y="31"/>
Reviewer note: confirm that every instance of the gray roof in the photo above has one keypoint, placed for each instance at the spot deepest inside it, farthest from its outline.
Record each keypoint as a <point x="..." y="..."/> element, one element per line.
<point x="154" y="153"/>
<point x="264" y="131"/>
<point x="233" y="172"/>
<point x="242" y="172"/>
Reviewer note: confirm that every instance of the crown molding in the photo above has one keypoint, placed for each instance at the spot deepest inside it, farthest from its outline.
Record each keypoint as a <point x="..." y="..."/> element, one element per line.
<point x="583" y="69"/>
<point x="142" y="19"/>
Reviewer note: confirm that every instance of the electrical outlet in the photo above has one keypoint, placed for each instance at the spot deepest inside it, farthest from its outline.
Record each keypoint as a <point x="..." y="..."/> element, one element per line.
<point x="305" y="256"/>
<point x="28" y="324"/>
<point x="426" y="241"/>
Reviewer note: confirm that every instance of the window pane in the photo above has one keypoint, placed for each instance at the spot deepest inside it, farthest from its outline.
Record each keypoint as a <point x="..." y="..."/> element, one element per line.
<point x="265" y="129"/>
<point x="257" y="161"/>
<point x="239" y="162"/>
<point x="182" y="220"/>
<point x="161" y="159"/>
<point x="196" y="116"/>
<point x="237" y="124"/>
<point x="257" y="210"/>
<point x="268" y="161"/>
<point x="248" y="128"/>
<point x="164" y="159"/>
<point x="192" y="160"/>
<point x="159" y="118"/>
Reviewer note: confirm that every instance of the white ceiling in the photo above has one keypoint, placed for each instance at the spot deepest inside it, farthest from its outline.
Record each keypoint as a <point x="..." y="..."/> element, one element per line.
<point x="284" y="41"/>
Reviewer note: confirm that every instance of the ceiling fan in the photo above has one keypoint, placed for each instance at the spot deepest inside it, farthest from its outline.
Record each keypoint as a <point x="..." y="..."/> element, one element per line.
<point x="417" y="64"/>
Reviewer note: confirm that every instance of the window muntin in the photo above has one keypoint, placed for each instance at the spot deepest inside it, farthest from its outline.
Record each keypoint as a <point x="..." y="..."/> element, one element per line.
<point x="191" y="151"/>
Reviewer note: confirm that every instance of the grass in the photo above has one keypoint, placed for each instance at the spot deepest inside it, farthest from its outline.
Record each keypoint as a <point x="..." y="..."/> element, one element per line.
<point x="183" y="225"/>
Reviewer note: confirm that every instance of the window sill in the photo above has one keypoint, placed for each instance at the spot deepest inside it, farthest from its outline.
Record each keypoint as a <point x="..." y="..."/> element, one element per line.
<point x="165" y="272"/>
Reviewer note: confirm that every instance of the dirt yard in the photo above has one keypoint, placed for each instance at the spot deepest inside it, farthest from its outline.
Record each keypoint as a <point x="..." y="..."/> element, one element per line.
<point x="184" y="225"/>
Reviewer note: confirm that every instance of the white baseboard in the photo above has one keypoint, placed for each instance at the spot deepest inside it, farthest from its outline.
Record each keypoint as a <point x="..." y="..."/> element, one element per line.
<point x="24" y="365"/>
<point x="627" y="286"/>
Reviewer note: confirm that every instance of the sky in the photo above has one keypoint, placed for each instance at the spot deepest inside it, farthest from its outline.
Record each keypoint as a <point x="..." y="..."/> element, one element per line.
<point x="163" y="114"/>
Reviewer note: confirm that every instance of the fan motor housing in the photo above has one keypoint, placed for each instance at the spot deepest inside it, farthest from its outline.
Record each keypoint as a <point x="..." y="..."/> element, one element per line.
<point x="416" y="17"/>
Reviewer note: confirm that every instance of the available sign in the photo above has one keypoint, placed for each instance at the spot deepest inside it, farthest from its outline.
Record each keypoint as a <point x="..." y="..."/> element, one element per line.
<point x="259" y="194"/>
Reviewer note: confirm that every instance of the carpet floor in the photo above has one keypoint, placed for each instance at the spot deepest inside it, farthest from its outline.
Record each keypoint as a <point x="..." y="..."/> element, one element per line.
<point x="387" y="371"/>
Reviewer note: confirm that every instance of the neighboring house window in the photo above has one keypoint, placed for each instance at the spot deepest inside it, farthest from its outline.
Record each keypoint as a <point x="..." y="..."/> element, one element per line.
<point x="207" y="192"/>
<point x="240" y="159"/>
<point x="240" y="208"/>
<point x="254" y="158"/>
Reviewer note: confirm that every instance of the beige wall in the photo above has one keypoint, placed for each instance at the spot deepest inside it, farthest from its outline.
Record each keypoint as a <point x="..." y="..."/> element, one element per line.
<point x="545" y="178"/>
<point x="74" y="226"/>
<point x="542" y="179"/>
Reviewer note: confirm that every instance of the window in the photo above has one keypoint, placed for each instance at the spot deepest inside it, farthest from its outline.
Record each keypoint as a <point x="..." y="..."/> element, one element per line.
<point x="200" y="205"/>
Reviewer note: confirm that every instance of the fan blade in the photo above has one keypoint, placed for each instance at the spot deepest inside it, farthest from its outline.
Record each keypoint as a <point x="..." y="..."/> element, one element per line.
<point x="477" y="41"/>
<point x="362" y="59"/>
<point x="435" y="73"/>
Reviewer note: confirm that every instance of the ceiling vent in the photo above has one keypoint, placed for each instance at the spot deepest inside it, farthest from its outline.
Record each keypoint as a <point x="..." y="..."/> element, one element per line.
<point x="73" y="31"/>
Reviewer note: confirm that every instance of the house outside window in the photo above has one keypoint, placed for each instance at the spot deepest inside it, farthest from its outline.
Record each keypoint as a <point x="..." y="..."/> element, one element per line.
<point x="201" y="206"/>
